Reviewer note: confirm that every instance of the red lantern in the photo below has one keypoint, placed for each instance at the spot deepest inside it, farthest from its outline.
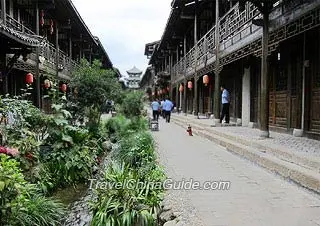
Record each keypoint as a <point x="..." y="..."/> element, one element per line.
<point x="181" y="88"/>
<point x="42" y="18"/>
<point x="205" y="80"/>
<point x="29" y="78"/>
<point x="64" y="88"/>
<point x="190" y="85"/>
<point x="164" y="91"/>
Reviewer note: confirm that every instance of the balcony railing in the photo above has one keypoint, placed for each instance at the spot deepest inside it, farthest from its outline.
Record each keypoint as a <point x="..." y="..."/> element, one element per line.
<point x="231" y="24"/>
<point x="235" y="30"/>
<point x="46" y="49"/>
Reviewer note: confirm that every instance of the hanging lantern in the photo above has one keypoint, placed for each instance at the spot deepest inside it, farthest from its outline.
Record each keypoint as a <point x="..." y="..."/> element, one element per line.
<point x="168" y="88"/>
<point x="29" y="78"/>
<point x="181" y="88"/>
<point x="164" y="91"/>
<point x="47" y="84"/>
<point x="205" y="80"/>
<point x="51" y="26"/>
<point x="190" y="85"/>
<point x="41" y="18"/>
<point x="160" y="91"/>
<point x="152" y="93"/>
<point x="64" y="88"/>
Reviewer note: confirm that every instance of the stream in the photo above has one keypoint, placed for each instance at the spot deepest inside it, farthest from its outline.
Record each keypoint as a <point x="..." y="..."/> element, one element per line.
<point x="78" y="199"/>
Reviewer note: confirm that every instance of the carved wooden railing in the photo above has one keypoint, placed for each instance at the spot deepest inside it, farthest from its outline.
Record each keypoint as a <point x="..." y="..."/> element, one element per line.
<point x="231" y="25"/>
<point x="46" y="50"/>
<point x="235" y="27"/>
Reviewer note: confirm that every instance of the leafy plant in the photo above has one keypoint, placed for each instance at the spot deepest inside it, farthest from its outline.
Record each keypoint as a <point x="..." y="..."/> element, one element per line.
<point x="20" y="201"/>
<point x="137" y="150"/>
<point x="132" y="104"/>
<point x="94" y="86"/>
<point x="121" y="204"/>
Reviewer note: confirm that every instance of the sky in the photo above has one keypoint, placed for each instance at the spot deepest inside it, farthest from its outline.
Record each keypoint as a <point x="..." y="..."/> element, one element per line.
<point x="124" y="27"/>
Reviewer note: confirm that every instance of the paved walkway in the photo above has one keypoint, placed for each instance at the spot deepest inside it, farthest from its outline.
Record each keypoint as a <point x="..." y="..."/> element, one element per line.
<point x="256" y="197"/>
<point x="299" y="145"/>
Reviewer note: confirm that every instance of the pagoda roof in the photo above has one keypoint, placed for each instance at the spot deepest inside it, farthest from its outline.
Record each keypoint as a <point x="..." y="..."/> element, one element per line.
<point x="134" y="70"/>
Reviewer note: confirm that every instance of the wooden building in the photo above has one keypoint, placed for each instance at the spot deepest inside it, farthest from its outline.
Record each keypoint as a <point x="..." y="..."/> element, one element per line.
<point x="223" y="40"/>
<point x="46" y="38"/>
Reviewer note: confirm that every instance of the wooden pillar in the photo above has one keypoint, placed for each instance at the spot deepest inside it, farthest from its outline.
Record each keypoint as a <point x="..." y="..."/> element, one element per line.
<point x="57" y="50"/>
<point x="70" y="46"/>
<point x="185" y="107"/>
<point x="217" y="67"/>
<point x="3" y="12"/>
<point x="177" y="97"/>
<point x="195" y="95"/>
<point x="38" y="85"/>
<point x="264" y="107"/>
<point x="196" y="24"/>
<point x="210" y="99"/>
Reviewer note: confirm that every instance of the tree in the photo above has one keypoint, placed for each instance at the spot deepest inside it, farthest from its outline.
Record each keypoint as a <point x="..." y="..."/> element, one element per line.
<point x="93" y="87"/>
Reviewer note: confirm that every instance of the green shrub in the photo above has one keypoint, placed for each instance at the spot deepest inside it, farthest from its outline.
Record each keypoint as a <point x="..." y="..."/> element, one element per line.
<point x="121" y="204"/>
<point x="137" y="150"/>
<point x="20" y="202"/>
<point x="132" y="104"/>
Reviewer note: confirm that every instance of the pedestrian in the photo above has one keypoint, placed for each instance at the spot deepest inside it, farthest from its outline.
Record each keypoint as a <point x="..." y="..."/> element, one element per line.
<point x="155" y="109"/>
<point x="225" y="105"/>
<point x="167" y="107"/>
<point x="162" y="111"/>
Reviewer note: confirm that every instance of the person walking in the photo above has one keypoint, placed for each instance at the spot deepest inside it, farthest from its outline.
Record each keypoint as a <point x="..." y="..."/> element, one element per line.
<point x="225" y="105"/>
<point x="167" y="107"/>
<point x="155" y="109"/>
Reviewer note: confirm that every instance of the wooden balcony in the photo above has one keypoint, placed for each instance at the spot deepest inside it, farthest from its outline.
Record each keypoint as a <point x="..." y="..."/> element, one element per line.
<point x="50" y="59"/>
<point x="239" y="37"/>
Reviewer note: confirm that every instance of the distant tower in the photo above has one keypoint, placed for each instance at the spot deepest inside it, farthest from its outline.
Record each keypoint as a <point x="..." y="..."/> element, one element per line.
<point x="134" y="78"/>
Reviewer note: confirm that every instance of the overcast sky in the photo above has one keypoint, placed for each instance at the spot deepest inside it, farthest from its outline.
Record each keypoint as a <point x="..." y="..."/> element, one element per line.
<point x="125" y="26"/>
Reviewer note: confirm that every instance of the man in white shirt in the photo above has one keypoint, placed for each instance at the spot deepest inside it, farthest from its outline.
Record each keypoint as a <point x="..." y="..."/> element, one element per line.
<point x="225" y="105"/>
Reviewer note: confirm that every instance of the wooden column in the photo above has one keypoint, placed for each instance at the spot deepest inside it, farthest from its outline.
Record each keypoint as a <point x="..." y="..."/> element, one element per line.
<point x="185" y="105"/>
<point x="196" y="23"/>
<point x="264" y="107"/>
<point x="3" y="12"/>
<point x="70" y="46"/>
<point x="195" y="95"/>
<point x="57" y="50"/>
<point x="217" y="67"/>
<point x="177" y="97"/>
<point x="38" y="85"/>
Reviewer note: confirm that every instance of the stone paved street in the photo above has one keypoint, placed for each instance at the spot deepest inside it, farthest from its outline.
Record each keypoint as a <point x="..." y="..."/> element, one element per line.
<point x="256" y="197"/>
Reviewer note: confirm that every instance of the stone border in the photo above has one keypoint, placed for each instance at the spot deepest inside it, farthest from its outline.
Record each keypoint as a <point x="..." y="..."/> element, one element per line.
<point x="304" y="177"/>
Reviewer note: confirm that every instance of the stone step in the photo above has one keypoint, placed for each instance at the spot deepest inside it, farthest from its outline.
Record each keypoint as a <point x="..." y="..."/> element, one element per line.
<point x="276" y="150"/>
<point x="305" y="177"/>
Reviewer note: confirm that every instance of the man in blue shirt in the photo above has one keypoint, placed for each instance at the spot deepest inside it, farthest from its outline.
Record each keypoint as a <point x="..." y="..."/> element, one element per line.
<point x="155" y="109"/>
<point x="167" y="107"/>
<point x="225" y="105"/>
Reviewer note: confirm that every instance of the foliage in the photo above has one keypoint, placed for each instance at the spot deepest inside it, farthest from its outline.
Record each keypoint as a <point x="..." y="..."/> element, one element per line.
<point x="20" y="204"/>
<point x="137" y="150"/>
<point x="132" y="104"/>
<point x="121" y="127"/>
<point x="124" y="204"/>
<point x="135" y="180"/>
<point x="94" y="87"/>
<point x="72" y="155"/>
